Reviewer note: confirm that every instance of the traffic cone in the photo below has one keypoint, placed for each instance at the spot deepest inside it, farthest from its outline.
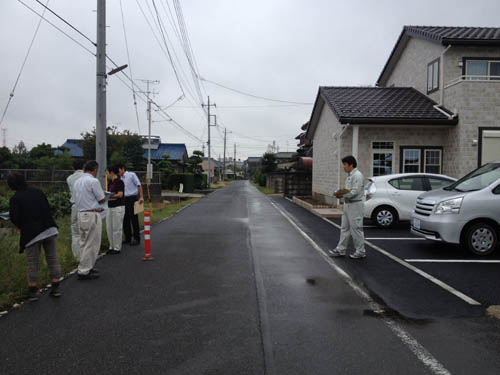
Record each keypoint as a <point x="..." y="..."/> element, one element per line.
<point x="147" y="237"/>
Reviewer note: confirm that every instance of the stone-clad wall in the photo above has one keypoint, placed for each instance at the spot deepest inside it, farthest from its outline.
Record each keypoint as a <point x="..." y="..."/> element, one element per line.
<point x="401" y="135"/>
<point x="325" y="161"/>
<point x="478" y="105"/>
<point x="411" y="69"/>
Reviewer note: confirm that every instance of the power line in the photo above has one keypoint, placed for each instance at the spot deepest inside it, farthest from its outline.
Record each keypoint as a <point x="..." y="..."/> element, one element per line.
<point x="252" y="95"/>
<point x="66" y="22"/>
<point x="57" y="28"/>
<point x="130" y="67"/>
<point x="21" y="71"/>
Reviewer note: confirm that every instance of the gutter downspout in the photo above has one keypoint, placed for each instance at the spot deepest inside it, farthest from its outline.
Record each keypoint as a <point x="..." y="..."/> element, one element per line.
<point x="441" y="63"/>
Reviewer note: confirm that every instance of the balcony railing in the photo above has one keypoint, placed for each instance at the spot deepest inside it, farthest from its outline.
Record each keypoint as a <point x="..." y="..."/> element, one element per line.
<point x="472" y="78"/>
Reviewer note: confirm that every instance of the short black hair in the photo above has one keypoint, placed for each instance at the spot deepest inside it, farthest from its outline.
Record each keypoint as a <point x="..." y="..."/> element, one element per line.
<point x="78" y="164"/>
<point x="90" y="166"/>
<point x="351" y="160"/>
<point x="121" y="166"/>
<point x="115" y="169"/>
<point x="16" y="181"/>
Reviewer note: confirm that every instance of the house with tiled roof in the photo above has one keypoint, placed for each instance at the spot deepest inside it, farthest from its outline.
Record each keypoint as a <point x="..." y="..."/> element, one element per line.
<point x="177" y="153"/>
<point x="435" y="108"/>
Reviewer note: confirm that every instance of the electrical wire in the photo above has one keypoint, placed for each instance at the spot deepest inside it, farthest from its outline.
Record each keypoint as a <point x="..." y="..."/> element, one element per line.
<point x="252" y="95"/>
<point x="12" y="92"/>
<point x="57" y="28"/>
<point x="66" y="22"/>
<point x="130" y="67"/>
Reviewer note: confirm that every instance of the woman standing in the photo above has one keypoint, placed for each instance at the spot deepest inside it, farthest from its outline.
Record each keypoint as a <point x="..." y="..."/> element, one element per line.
<point x="116" y="211"/>
<point x="30" y="212"/>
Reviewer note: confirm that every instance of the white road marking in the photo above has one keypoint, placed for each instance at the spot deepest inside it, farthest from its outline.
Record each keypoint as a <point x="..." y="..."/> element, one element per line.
<point x="415" y="347"/>
<point x="431" y="278"/>
<point x="452" y="261"/>
<point x="396" y="238"/>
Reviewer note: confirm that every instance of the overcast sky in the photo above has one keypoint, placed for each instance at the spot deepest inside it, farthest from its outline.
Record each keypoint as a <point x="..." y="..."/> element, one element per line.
<point x="281" y="49"/>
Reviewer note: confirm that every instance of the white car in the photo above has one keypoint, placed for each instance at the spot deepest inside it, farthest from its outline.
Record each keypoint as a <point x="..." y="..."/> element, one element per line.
<point x="391" y="198"/>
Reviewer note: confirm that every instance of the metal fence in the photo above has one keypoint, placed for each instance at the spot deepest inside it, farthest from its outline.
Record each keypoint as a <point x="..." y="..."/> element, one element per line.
<point x="41" y="176"/>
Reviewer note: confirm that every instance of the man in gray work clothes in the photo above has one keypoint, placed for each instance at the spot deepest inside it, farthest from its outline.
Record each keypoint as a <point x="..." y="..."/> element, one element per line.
<point x="352" y="219"/>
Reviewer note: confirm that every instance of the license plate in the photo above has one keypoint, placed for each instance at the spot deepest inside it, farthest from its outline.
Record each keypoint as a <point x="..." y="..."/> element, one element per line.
<point x="416" y="223"/>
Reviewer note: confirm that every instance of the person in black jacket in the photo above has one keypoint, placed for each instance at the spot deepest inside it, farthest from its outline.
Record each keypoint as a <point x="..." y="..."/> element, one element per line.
<point x="30" y="212"/>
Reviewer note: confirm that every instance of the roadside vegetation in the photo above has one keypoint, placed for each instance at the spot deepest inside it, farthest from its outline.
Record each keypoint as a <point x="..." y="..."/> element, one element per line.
<point x="13" y="284"/>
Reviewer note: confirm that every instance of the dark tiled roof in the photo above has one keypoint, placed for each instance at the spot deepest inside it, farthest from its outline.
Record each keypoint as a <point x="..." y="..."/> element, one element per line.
<point x="74" y="146"/>
<point x="174" y="150"/>
<point x="442" y="35"/>
<point x="456" y="35"/>
<point x="394" y="105"/>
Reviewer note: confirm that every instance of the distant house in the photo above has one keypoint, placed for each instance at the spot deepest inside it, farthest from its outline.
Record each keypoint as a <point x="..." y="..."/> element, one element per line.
<point x="177" y="153"/>
<point x="251" y="165"/>
<point x="75" y="147"/>
<point x="436" y="108"/>
<point x="216" y="169"/>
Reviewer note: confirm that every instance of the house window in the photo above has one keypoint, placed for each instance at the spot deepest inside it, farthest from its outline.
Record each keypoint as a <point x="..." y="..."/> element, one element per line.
<point x="432" y="161"/>
<point x="482" y="69"/>
<point x="433" y="76"/>
<point x="382" y="153"/>
<point x="411" y="160"/>
<point x="416" y="159"/>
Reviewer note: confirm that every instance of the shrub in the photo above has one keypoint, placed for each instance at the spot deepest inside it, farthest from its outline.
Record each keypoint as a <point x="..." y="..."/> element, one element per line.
<point x="59" y="203"/>
<point x="4" y="204"/>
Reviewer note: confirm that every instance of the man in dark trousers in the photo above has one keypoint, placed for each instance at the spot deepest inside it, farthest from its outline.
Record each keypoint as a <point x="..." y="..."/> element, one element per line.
<point x="133" y="193"/>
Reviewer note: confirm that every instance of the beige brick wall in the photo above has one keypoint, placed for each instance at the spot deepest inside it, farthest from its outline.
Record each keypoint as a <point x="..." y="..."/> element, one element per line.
<point x="411" y="69"/>
<point x="325" y="159"/>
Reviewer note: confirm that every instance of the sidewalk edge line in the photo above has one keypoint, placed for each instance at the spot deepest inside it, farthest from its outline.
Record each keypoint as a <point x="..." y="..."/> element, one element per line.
<point x="413" y="345"/>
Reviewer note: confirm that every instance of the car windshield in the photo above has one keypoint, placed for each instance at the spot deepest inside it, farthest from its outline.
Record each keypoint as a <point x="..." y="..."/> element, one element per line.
<point x="478" y="179"/>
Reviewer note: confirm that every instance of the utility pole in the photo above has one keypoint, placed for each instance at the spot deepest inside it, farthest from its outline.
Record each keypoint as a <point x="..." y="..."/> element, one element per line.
<point x="224" y="170"/>
<point x="208" y="143"/>
<point x="149" y="168"/>
<point x="4" y="137"/>
<point x="234" y="161"/>
<point x="100" y="131"/>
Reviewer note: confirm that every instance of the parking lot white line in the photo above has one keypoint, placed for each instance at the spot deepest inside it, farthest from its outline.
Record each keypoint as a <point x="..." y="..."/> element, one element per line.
<point x="396" y="238"/>
<point x="452" y="261"/>
<point x="431" y="278"/>
<point x="413" y="345"/>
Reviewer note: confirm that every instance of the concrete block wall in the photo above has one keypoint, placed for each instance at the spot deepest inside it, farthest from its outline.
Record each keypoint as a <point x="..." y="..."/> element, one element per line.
<point x="411" y="69"/>
<point x="325" y="160"/>
<point x="478" y="105"/>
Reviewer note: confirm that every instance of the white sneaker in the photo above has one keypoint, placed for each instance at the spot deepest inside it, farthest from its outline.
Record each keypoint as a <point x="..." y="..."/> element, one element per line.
<point x="335" y="253"/>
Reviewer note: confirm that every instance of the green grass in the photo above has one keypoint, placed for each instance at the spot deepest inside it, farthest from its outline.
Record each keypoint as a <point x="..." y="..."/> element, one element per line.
<point x="13" y="279"/>
<point x="263" y="189"/>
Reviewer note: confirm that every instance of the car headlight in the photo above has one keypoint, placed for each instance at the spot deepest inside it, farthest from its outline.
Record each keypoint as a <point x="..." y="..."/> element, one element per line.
<point x="450" y="206"/>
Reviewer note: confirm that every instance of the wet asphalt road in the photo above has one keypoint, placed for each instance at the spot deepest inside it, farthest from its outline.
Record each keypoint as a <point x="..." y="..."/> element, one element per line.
<point x="236" y="289"/>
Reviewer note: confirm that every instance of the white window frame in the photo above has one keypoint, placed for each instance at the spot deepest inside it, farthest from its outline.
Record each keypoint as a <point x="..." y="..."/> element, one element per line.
<point x="383" y="151"/>
<point x="476" y="77"/>
<point x="432" y="76"/>
<point x="440" y="159"/>
<point x="419" y="163"/>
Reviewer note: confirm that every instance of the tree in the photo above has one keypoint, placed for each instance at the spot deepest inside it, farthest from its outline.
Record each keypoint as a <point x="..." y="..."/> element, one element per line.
<point x="194" y="163"/>
<point x="20" y="149"/>
<point x="268" y="163"/>
<point x="6" y="158"/>
<point x="123" y="147"/>
<point x="41" y="150"/>
<point x="164" y="166"/>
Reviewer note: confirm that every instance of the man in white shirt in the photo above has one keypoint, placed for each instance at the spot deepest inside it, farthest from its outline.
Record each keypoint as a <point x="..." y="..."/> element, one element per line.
<point x="133" y="192"/>
<point x="75" y="235"/>
<point x="88" y="196"/>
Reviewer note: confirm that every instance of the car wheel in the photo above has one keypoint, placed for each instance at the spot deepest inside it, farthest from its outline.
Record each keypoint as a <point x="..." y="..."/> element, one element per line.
<point x="384" y="217"/>
<point x="481" y="239"/>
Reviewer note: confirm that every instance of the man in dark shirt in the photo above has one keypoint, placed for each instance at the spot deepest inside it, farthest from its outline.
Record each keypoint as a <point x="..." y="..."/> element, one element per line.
<point x="116" y="211"/>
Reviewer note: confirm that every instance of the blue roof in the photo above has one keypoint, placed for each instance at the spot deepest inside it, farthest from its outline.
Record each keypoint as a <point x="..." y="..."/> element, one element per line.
<point x="75" y="148"/>
<point x="175" y="151"/>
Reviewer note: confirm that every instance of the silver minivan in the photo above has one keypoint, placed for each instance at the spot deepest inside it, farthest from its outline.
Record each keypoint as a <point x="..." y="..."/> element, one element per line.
<point x="466" y="212"/>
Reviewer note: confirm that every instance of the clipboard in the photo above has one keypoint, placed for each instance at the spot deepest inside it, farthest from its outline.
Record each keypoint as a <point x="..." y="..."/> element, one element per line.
<point x="138" y="207"/>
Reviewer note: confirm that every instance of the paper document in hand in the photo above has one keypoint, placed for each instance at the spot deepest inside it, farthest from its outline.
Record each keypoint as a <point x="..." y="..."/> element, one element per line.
<point x="342" y="191"/>
<point x="138" y="207"/>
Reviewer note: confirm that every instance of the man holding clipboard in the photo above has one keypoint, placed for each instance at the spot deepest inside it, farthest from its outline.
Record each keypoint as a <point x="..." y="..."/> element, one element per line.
<point x="133" y="195"/>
